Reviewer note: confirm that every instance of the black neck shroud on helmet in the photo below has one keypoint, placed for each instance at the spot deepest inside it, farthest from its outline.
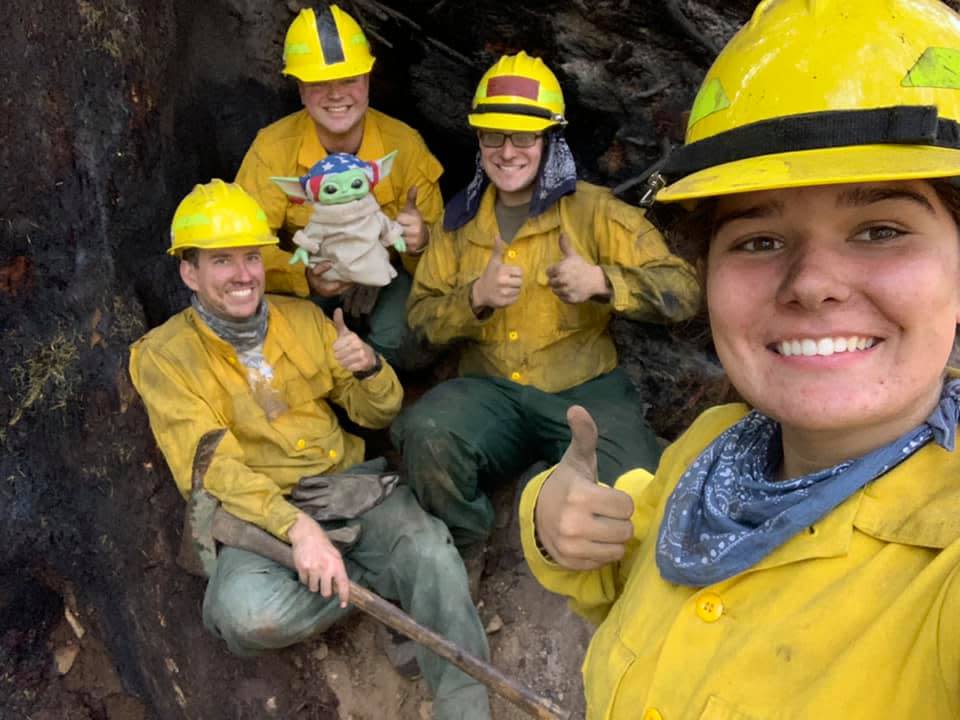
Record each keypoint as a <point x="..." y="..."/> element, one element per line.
<point x="897" y="125"/>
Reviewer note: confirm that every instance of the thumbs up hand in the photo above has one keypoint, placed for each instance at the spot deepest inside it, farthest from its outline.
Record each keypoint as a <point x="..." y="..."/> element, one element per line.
<point x="499" y="285"/>
<point x="581" y="524"/>
<point x="353" y="354"/>
<point x="415" y="231"/>
<point x="573" y="279"/>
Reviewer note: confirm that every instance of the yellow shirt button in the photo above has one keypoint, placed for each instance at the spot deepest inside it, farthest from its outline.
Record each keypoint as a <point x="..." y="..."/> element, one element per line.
<point x="709" y="607"/>
<point x="652" y="714"/>
<point x="511" y="254"/>
<point x="513" y="334"/>
<point x="301" y="444"/>
<point x="332" y="454"/>
<point x="515" y="376"/>
<point x="232" y="360"/>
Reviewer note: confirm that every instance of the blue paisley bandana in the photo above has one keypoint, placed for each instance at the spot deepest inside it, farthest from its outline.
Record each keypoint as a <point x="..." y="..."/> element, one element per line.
<point x="557" y="177"/>
<point x="728" y="512"/>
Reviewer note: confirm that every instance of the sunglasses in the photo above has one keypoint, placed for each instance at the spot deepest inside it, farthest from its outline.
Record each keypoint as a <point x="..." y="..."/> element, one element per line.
<point x="517" y="139"/>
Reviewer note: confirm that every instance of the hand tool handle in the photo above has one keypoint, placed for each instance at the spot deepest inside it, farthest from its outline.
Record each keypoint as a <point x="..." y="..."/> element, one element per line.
<point x="234" y="532"/>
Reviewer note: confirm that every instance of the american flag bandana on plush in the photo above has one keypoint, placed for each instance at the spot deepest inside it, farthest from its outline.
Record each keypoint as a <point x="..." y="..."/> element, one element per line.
<point x="335" y="164"/>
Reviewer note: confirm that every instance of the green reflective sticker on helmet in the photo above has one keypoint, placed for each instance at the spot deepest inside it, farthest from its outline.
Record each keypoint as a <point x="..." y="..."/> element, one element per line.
<point x="936" y="68"/>
<point x="261" y="215"/>
<point x="188" y="221"/>
<point x="296" y="49"/>
<point x="358" y="39"/>
<point x="550" y="96"/>
<point x="710" y="99"/>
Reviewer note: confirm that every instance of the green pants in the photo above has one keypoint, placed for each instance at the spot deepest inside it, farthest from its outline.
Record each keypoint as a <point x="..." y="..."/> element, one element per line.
<point x="467" y="434"/>
<point x="386" y="329"/>
<point x="403" y="554"/>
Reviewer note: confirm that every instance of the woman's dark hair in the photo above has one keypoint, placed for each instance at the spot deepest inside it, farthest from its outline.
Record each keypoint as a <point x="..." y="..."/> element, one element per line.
<point x="690" y="236"/>
<point x="948" y="190"/>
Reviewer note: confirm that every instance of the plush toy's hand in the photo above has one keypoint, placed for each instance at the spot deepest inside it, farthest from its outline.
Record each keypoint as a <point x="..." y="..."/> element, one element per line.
<point x="574" y="279"/>
<point x="300" y="255"/>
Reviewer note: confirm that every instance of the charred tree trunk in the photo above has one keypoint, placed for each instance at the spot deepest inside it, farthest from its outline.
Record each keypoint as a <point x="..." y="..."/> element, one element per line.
<point x="112" y="111"/>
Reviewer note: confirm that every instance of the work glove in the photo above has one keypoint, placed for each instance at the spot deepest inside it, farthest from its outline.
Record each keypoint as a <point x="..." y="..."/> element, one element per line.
<point x="344" y="538"/>
<point x="342" y="496"/>
<point x="359" y="300"/>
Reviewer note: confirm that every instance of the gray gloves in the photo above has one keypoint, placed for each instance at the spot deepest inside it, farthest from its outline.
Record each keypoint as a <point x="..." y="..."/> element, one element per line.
<point x="342" y="496"/>
<point x="358" y="300"/>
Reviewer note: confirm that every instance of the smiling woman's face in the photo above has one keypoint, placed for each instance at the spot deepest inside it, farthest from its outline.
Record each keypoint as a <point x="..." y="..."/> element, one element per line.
<point x="834" y="308"/>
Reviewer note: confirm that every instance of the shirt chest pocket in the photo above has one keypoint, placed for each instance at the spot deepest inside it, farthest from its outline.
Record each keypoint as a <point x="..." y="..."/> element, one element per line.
<point x="563" y="316"/>
<point x="308" y="419"/>
<point x="302" y="393"/>
<point x="472" y="262"/>
<point x="279" y="402"/>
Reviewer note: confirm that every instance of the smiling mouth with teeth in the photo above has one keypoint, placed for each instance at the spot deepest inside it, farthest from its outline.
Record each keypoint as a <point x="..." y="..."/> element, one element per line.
<point x="809" y="347"/>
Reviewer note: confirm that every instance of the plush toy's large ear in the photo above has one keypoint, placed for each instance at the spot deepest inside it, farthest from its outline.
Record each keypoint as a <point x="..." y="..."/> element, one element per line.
<point x="292" y="188"/>
<point x="381" y="168"/>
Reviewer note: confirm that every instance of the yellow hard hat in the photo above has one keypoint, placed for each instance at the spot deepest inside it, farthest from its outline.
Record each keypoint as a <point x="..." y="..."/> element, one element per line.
<point x="218" y="215"/>
<point x="518" y="94"/>
<point x="325" y="45"/>
<point x="819" y="92"/>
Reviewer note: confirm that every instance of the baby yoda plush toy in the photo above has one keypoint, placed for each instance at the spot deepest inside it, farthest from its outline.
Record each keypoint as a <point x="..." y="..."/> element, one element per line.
<point x="346" y="227"/>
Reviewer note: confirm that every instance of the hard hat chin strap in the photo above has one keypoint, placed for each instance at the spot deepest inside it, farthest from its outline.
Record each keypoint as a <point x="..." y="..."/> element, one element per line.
<point x="897" y="125"/>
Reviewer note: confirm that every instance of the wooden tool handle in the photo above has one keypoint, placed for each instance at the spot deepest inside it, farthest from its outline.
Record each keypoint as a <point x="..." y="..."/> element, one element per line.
<point x="234" y="532"/>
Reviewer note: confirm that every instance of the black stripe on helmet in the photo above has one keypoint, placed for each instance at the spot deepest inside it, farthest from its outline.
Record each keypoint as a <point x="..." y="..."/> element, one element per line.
<point x="330" y="43"/>
<point x="897" y="125"/>
<point x="513" y="109"/>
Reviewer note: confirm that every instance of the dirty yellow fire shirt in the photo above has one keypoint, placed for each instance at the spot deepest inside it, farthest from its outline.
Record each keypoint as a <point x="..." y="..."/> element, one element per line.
<point x="540" y="340"/>
<point x="856" y="617"/>
<point x="290" y="147"/>
<point x="192" y="382"/>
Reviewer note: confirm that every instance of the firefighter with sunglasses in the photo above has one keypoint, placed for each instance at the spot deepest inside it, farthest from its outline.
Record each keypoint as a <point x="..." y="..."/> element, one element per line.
<point x="524" y="275"/>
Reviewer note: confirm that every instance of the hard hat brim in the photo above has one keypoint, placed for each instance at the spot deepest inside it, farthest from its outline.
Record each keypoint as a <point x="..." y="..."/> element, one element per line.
<point x="827" y="166"/>
<point x="508" y="123"/>
<point x="224" y="243"/>
<point x="325" y="73"/>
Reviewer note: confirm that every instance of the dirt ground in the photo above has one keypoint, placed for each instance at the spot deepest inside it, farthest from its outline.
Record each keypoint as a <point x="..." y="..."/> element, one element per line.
<point x="533" y="638"/>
